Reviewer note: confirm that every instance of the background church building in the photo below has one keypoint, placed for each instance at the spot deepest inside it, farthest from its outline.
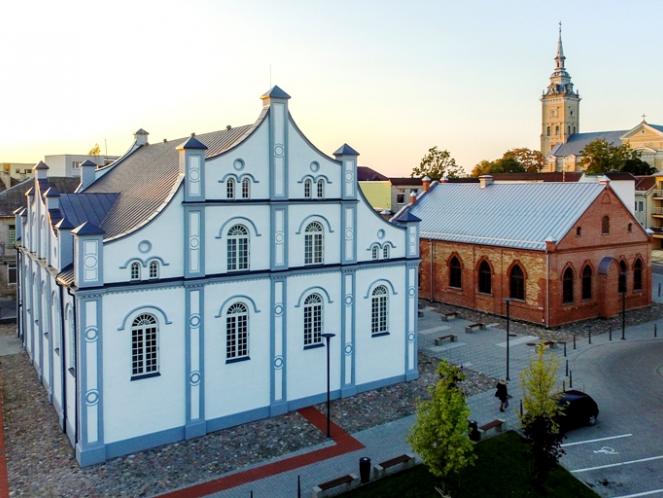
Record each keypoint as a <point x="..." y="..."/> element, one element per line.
<point x="186" y="287"/>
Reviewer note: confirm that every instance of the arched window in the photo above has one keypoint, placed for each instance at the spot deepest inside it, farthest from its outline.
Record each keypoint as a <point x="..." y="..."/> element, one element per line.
<point x="246" y="188"/>
<point x="308" y="184"/>
<point x="238" y="248"/>
<point x="321" y="188"/>
<point x="605" y="225"/>
<point x="154" y="269"/>
<point x="385" y="252"/>
<point x="517" y="283"/>
<point x="237" y="332"/>
<point x="313" y="244"/>
<point x="548" y="131"/>
<point x="574" y="129"/>
<point x="485" y="278"/>
<point x="380" y="311"/>
<point x="230" y="188"/>
<point x="587" y="282"/>
<point x="637" y="274"/>
<point x="144" y="346"/>
<point x="621" y="287"/>
<point x="556" y="130"/>
<point x="455" y="273"/>
<point x="568" y="130"/>
<point x="375" y="251"/>
<point x="313" y="320"/>
<point x="135" y="270"/>
<point x="630" y="227"/>
<point x="567" y="286"/>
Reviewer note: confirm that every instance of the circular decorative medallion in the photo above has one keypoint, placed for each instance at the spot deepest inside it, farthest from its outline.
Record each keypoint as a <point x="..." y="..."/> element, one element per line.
<point x="278" y="362"/>
<point x="348" y="177"/>
<point x="278" y="237"/>
<point x="278" y="309"/>
<point x="278" y="150"/>
<point x="144" y="246"/>
<point x="193" y="242"/>
<point x="380" y="234"/>
<point x="90" y="261"/>
<point x="92" y="397"/>
<point x="411" y="291"/>
<point x="238" y="164"/>
<point x="348" y="349"/>
<point x="194" y="320"/>
<point x="194" y="175"/>
<point x="91" y="334"/>
<point x="314" y="166"/>
<point x="349" y="233"/>
<point x="410" y="337"/>
<point x="194" y="378"/>
<point x="348" y="299"/>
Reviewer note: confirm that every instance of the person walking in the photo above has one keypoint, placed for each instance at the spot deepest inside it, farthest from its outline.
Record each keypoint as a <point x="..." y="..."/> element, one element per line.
<point x="502" y="394"/>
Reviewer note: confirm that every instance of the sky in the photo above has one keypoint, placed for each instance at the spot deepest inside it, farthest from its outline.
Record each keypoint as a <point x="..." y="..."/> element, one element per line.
<point x="391" y="78"/>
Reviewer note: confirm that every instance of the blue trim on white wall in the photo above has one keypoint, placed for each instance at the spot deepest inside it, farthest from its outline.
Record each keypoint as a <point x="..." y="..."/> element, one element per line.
<point x="314" y="179"/>
<point x="279" y="311"/>
<point x="185" y="155"/>
<point x="234" y="298"/>
<point x="238" y="178"/>
<point x="144" y="262"/>
<point x="238" y="220"/>
<point x="146" y="308"/>
<point x="187" y="211"/>
<point x="277" y="235"/>
<point x="194" y="427"/>
<point x="314" y="217"/>
<point x="377" y="282"/>
<point x="310" y="290"/>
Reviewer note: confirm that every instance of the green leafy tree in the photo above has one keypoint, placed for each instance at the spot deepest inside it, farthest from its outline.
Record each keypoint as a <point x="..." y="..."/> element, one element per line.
<point x="440" y="434"/>
<point x="531" y="160"/>
<point x="435" y="164"/>
<point x="502" y="165"/>
<point x="638" y="167"/>
<point x="541" y="411"/>
<point x="599" y="157"/>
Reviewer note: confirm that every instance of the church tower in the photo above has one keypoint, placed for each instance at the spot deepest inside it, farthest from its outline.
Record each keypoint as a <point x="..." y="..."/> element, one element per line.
<point x="560" y="105"/>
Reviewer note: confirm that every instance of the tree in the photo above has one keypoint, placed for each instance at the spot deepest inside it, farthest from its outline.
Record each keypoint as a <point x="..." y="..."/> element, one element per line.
<point x="638" y="167"/>
<point x="502" y="165"/>
<point x="599" y="157"/>
<point x="541" y="410"/>
<point x="435" y="164"/>
<point x="94" y="151"/>
<point x="531" y="160"/>
<point x="440" y="433"/>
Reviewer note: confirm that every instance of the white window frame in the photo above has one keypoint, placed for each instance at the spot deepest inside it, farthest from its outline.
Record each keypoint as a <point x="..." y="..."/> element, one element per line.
<point x="135" y="271"/>
<point x="320" y="188"/>
<point x="313" y="320"/>
<point x="144" y="346"/>
<point x="11" y="266"/>
<point x="375" y="252"/>
<point x="11" y="236"/>
<point x="237" y="333"/>
<point x="238" y="248"/>
<point x="230" y="188"/>
<point x="386" y="250"/>
<point x="246" y="188"/>
<point x="380" y="311"/>
<point x="154" y="270"/>
<point x="314" y="239"/>
<point x="308" y="187"/>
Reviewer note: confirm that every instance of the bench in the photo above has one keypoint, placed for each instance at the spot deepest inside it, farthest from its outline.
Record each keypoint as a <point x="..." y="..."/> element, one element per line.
<point x="493" y="424"/>
<point x="394" y="465"/>
<point x="447" y="317"/>
<point x="475" y="326"/>
<point x="335" y="486"/>
<point x="441" y="339"/>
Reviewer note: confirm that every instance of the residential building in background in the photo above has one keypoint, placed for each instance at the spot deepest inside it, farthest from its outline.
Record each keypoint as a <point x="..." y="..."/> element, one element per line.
<point x="376" y="188"/>
<point x="644" y="200"/>
<point x="560" y="252"/>
<point x="70" y="164"/>
<point x="13" y="173"/>
<point x="186" y="287"/>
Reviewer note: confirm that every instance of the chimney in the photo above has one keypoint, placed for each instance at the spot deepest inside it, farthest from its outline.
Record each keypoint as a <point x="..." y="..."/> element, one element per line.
<point x="87" y="174"/>
<point x="425" y="182"/>
<point x="485" y="180"/>
<point x="140" y="137"/>
<point x="41" y="170"/>
<point x="413" y="198"/>
<point x="550" y="245"/>
<point x="605" y="181"/>
<point x="52" y="198"/>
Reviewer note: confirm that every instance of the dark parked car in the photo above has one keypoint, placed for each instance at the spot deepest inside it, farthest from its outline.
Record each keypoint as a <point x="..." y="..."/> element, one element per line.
<point x="579" y="409"/>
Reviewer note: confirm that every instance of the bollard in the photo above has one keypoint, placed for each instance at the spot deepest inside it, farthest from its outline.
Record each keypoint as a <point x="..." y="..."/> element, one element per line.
<point x="251" y="494"/>
<point x="564" y="385"/>
<point x="655" y="329"/>
<point x="570" y="379"/>
<point x="564" y="349"/>
<point x="589" y="331"/>
<point x="299" y="487"/>
<point x="567" y="368"/>
<point x="623" y="333"/>
<point x="574" y="342"/>
<point x="610" y="333"/>
<point x="659" y="289"/>
<point x="521" y="408"/>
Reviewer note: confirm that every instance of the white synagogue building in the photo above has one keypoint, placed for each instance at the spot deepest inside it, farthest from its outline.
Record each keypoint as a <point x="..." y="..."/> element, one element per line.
<point x="184" y="288"/>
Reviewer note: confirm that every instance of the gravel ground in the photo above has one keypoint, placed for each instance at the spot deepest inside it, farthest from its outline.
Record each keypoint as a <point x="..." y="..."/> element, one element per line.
<point x="566" y="332"/>
<point x="383" y="405"/>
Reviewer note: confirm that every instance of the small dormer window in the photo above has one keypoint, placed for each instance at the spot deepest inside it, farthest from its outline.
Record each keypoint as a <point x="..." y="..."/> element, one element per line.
<point x="154" y="269"/>
<point x="135" y="271"/>
<point x="307" y="188"/>
<point x="321" y="188"/>
<point x="230" y="188"/>
<point x="246" y="188"/>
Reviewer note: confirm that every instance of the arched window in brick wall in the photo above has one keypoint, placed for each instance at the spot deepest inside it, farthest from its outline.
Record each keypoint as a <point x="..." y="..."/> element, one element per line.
<point x="485" y="278"/>
<point x="455" y="273"/>
<point x="621" y="285"/>
<point x="637" y="274"/>
<point x="567" y="285"/>
<point x="517" y="283"/>
<point x="587" y="282"/>
<point x="605" y="225"/>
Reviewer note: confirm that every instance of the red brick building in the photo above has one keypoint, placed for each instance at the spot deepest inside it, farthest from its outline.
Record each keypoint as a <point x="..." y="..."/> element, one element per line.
<point x="560" y="252"/>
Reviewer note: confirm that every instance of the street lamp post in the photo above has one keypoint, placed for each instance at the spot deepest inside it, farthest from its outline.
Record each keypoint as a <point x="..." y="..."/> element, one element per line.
<point x="624" y="311"/>
<point x="327" y="337"/>
<point x="508" y="317"/>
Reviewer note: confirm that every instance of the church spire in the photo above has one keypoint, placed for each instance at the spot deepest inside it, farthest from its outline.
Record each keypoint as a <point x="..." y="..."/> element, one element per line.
<point x="559" y="58"/>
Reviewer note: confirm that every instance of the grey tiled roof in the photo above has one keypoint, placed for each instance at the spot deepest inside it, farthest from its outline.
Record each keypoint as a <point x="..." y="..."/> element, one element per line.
<point x="14" y="197"/>
<point x="145" y="179"/>
<point x="86" y="207"/>
<point x="520" y="215"/>
<point x="577" y="141"/>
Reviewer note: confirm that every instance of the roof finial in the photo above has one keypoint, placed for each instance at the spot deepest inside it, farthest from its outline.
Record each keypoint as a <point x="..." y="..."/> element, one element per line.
<point x="643" y="118"/>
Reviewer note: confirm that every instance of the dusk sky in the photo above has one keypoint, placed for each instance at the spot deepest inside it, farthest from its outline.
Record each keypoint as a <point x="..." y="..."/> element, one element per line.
<point x="389" y="78"/>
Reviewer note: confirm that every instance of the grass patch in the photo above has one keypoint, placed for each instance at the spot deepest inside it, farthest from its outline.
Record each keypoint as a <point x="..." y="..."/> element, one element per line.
<point x="502" y="470"/>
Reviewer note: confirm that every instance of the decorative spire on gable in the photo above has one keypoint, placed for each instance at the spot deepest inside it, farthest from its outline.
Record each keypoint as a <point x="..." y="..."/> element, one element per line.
<point x="560" y="79"/>
<point x="559" y="58"/>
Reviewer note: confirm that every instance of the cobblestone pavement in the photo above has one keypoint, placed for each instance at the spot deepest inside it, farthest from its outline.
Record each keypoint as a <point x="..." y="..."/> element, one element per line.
<point x="580" y="329"/>
<point x="383" y="405"/>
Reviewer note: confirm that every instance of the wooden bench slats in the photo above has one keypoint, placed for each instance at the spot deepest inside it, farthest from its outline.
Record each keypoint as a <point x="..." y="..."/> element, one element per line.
<point x="491" y="425"/>
<point x="395" y="461"/>
<point x="347" y="479"/>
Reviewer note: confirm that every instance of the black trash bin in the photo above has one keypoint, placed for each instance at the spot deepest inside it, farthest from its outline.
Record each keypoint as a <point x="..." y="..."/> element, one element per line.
<point x="473" y="430"/>
<point x="365" y="469"/>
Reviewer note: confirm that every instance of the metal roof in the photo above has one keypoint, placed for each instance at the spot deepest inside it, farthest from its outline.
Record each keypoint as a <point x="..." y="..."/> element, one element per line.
<point x="578" y="141"/>
<point x="520" y="215"/>
<point x="85" y="207"/>
<point x="14" y="197"/>
<point x="367" y="174"/>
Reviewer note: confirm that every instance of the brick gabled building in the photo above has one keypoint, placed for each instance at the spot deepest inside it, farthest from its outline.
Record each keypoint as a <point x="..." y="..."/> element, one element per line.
<point x="560" y="252"/>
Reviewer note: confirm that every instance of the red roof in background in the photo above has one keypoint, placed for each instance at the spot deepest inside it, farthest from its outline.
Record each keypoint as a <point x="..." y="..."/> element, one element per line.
<point x="556" y="176"/>
<point x="644" y="182"/>
<point x="366" y="174"/>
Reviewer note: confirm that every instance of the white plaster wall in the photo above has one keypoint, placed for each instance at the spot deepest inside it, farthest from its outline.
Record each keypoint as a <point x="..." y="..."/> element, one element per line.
<point x="300" y="156"/>
<point x="625" y="190"/>
<point x="368" y="226"/>
<point x="254" y="151"/>
<point x="241" y="386"/>
<point x="70" y="379"/>
<point x="297" y="214"/>
<point x="306" y="368"/>
<point x="384" y="356"/>
<point x="144" y="406"/>
<point x="56" y="341"/>
<point x="216" y="248"/>
<point x="165" y="233"/>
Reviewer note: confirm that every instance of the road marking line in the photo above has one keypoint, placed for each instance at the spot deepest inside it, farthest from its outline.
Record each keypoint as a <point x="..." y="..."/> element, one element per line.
<point x="566" y="445"/>
<point x="617" y="464"/>
<point x="644" y="493"/>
